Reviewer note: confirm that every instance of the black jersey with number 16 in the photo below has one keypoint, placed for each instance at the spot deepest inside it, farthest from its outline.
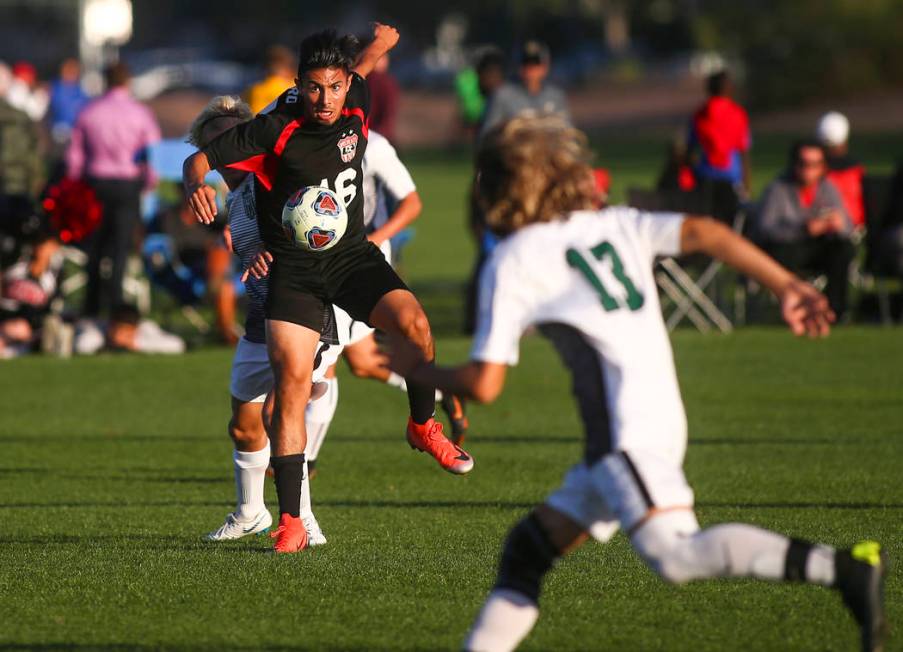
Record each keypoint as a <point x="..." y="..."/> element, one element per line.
<point x="286" y="152"/>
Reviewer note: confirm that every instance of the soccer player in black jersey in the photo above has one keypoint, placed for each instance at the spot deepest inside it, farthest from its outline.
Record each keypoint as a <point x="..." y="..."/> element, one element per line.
<point x="315" y="135"/>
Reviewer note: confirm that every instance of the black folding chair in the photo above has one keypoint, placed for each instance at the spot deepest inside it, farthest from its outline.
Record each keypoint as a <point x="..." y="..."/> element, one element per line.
<point x="876" y="194"/>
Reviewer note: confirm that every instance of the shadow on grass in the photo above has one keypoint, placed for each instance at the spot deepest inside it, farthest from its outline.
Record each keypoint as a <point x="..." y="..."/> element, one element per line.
<point x="442" y="504"/>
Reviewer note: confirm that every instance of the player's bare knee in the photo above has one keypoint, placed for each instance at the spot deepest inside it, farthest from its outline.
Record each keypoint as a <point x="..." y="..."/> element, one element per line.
<point x="247" y="438"/>
<point x="416" y="328"/>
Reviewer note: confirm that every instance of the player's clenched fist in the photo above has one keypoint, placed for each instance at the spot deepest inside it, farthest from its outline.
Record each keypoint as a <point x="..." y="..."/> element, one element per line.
<point x="202" y="200"/>
<point x="386" y="34"/>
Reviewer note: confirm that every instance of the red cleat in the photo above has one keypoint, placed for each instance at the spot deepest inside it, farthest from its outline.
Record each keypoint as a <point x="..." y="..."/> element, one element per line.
<point x="290" y="535"/>
<point x="428" y="438"/>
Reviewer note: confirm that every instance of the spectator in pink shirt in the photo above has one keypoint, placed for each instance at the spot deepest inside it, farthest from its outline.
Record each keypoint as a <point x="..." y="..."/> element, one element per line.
<point x="108" y="150"/>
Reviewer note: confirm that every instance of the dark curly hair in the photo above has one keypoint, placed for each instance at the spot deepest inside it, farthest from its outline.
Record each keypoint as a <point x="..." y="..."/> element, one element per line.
<point x="327" y="49"/>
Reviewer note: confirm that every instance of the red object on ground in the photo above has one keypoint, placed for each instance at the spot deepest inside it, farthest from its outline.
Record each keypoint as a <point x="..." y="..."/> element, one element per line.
<point x="73" y="209"/>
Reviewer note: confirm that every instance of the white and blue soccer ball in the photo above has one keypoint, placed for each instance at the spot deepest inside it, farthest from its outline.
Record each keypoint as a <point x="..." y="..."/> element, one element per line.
<point x="314" y="218"/>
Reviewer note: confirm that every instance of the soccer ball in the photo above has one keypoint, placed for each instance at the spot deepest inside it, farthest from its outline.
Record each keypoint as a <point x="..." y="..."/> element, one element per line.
<point x="314" y="219"/>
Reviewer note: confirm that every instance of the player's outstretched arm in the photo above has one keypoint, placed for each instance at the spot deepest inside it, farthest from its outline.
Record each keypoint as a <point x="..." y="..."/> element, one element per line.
<point x="384" y="39"/>
<point x="476" y="381"/>
<point x="805" y="309"/>
<point x="201" y="197"/>
<point x="407" y="211"/>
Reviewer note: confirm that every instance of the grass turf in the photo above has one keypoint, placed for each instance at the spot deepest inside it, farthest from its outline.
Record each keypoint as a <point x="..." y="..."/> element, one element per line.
<point x="114" y="466"/>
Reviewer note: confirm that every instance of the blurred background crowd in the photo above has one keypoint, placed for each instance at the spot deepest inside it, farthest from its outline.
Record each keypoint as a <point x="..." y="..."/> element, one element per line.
<point x="98" y="247"/>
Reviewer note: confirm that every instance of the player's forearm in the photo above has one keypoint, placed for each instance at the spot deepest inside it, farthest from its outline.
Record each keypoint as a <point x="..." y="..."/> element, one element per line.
<point x="408" y="210"/>
<point x="373" y="53"/>
<point x="707" y="236"/>
<point x="194" y="170"/>
<point x="475" y="381"/>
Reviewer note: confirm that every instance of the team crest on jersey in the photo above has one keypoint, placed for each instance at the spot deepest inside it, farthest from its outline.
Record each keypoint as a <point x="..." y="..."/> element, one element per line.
<point x="348" y="147"/>
<point x="325" y="204"/>
<point x="318" y="238"/>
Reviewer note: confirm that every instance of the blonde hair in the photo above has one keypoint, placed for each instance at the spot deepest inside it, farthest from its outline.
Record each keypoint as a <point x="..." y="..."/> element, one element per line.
<point x="533" y="169"/>
<point x="221" y="106"/>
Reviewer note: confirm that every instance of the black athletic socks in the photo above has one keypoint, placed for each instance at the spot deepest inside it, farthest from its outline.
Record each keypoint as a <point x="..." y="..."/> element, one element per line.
<point x="527" y="557"/>
<point x="797" y="556"/>
<point x="289" y="471"/>
<point x="422" y="399"/>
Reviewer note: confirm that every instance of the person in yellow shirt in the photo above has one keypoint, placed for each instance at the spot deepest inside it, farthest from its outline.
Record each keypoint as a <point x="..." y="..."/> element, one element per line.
<point x="280" y="76"/>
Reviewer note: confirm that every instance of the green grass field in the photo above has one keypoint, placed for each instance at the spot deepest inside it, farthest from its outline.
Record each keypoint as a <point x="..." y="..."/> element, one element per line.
<point x="113" y="467"/>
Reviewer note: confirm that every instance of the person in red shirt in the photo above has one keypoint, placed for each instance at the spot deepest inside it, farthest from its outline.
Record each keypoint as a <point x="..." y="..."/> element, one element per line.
<point x="844" y="171"/>
<point x="720" y="139"/>
<point x="384" y="96"/>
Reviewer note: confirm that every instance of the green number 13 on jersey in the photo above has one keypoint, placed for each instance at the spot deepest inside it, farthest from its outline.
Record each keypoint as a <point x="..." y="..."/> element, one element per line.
<point x="578" y="261"/>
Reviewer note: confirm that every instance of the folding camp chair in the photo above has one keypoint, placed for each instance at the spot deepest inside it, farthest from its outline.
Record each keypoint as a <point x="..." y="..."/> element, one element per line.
<point x="688" y="294"/>
<point x="876" y="194"/>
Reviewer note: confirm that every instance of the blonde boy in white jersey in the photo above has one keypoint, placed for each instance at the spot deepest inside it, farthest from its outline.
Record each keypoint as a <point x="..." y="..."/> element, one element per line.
<point x="584" y="279"/>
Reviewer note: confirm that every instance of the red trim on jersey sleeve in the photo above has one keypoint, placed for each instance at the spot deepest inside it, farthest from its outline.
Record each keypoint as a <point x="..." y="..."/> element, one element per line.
<point x="359" y="112"/>
<point x="263" y="166"/>
<point x="287" y="132"/>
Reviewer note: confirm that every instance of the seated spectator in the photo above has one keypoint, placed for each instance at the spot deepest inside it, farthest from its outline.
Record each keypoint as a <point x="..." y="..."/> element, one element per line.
<point x="803" y="224"/>
<point x="125" y="331"/>
<point x="845" y="172"/>
<point x="26" y="289"/>
<point x="719" y="138"/>
<point x="676" y="173"/>
<point x="191" y="260"/>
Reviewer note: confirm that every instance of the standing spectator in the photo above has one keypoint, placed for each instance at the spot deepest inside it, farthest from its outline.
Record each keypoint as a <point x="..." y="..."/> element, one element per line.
<point x="280" y="76"/>
<point x="108" y="150"/>
<point x="384" y="99"/>
<point x="25" y="93"/>
<point x="476" y="85"/>
<point x="21" y="164"/>
<point x="802" y="222"/>
<point x="529" y="93"/>
<point x="719" y="139"/>
<point x="67" y="99"/>
<point x="845" y="172"/>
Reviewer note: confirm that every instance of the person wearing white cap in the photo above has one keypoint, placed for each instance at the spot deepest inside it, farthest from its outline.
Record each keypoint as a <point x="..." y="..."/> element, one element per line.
<point x="845" y="172"/>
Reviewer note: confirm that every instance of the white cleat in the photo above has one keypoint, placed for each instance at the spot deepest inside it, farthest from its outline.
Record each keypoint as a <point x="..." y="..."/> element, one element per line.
<point x="315" y="536"/>
<point x="234" y="529"/>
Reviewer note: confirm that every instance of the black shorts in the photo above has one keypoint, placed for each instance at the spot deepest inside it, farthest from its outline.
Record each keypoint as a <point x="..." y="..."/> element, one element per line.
<point x="353" y="280"/>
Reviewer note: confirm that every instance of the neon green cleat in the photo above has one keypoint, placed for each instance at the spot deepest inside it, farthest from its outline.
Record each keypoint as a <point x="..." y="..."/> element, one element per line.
<point x="860" y="579"/>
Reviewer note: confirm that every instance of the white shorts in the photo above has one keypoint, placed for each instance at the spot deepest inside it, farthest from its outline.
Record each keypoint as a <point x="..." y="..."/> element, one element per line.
<point x="251" y="377"/>
<point x="620" y="490"/>
<point x="351" y="331"/>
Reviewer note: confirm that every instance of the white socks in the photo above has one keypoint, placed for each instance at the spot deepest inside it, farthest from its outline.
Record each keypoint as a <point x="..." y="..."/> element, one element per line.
<point x="306" y="507"/>
<point x="250" y="471"/>
<point x="679" y="554"/>
<point x="504" y="621"/>
<point x="318" y="416"/>
<point x="397" y="381"/>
